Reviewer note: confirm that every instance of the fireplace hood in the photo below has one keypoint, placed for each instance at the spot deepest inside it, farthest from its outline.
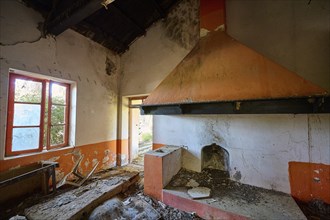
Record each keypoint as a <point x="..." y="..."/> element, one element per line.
<point x="222" y="76"/>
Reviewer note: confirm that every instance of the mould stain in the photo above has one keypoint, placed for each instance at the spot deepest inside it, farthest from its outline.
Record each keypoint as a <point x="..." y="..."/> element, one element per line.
<point x="182" y="23"/>
<point x="237" y="176"/>
<point x="110" y="67"/>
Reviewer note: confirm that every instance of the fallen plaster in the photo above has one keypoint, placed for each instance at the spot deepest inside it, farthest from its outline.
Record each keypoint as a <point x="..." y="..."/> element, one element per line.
<point x="129" y="209"/>
<point x="192" y="183"/>
<point x="199" y="192"/>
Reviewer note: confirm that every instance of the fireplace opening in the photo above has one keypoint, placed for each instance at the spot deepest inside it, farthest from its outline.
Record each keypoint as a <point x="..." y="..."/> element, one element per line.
<point x="215" y="157"/>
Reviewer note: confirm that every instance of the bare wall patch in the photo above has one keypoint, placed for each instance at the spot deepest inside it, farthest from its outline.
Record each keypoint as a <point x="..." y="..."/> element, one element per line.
<point x="110" y="67"/>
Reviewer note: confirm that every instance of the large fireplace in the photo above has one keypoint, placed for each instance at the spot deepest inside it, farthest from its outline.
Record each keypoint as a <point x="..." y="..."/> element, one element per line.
<point x="215" y="157"/>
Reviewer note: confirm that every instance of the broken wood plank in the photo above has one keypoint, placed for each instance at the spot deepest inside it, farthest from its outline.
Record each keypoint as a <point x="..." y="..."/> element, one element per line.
<point x="78" y="203"/>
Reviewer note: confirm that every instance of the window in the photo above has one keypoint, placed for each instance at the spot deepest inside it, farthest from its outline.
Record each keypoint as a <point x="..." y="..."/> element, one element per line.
<point x="38" y="114"/>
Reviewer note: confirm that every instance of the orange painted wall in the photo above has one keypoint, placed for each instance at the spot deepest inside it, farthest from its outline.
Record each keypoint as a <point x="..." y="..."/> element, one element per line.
<point x="153" y="176"/>
<point x="104" y="152"/>
<point x="212" y="14"/>
<point x="310" y="181"/>
<point x="155" y="146"/>
<point x="122" y="152"/>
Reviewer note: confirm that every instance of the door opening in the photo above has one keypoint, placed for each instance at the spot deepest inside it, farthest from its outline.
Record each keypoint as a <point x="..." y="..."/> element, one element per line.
<point x="140" y="131"/>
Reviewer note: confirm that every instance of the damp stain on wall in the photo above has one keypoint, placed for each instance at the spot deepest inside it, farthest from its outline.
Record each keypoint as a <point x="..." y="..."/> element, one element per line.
<point x="182" y="23"/>
<point x="237" y="175"/>
<point x="110" y="67"/>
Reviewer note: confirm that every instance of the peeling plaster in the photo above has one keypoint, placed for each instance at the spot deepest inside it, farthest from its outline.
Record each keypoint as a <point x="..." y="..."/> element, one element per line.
<point x="53" y="159"/>
<point x="105" y="159"/>
<point x="87" y="163"/>
<point x="94" y="162"/>
<point x="16" y="167"/>
<point x="59" y="175"/>
<point x="260" y="146"/>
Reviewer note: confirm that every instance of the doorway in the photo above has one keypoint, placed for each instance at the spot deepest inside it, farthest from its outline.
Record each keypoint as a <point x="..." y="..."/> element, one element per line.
<point x="140" y="131"/>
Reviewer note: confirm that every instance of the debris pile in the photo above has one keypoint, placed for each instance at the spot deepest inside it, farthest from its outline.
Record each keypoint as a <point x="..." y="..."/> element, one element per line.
<point x="218" y="183"/>
<point x="166" y="212"/>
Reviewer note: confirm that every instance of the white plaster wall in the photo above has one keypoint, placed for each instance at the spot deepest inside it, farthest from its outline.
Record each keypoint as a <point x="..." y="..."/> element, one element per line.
<point x="149" y="60"/>
<point x="69" y="56"/>
<point x="171" y="165"/>
<point x="152" y="57"/>
<point x="134" y="132"/>
<point x="296" y="35"/>
<point x="293" y="33"/>
<point x="260" y="146"/>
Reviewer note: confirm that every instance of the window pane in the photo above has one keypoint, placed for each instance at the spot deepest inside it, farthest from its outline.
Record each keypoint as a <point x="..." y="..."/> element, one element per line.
<point x="57" y="135"/>
<point x="25" y="139"/>
<point x="58" y="115"/>
<point x="136" y="102"/>
<point x="27" y="91"/>
<point x="26" y="114"/>
<point x="58" y="94"/>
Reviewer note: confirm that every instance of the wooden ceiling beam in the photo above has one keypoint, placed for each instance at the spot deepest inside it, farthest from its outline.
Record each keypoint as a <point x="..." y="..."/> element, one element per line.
<point x="71" y="16"/>
<point x="100" y="36"/>
<point x="158" y="8"/>
<point x="141" y="30"/>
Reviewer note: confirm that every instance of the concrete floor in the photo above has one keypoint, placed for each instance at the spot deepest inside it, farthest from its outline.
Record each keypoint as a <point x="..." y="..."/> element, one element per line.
<point x="234" y="198"/>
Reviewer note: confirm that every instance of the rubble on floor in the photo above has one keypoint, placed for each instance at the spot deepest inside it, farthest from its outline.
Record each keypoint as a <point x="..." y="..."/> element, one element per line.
<point x="132" y="208"/>
<point x="199" y="192"/>
<point x="131" y="201"/>
<point x="77" y="203"/>
<point x="166" y="212"/>
<point x="315" y="209"/>
<point x="219" y="183"/>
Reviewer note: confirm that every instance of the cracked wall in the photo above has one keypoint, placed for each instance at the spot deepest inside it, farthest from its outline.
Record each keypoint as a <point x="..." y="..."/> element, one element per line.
<point x="260" y="146"/>
<point x="69" y="56"/>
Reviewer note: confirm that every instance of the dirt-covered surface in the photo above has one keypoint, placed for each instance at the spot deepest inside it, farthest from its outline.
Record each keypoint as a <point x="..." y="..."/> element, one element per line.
<point x="133" y="197"/>
<point x="166" y="212"/>
<point x="234" y="197"/>
<point x="136" y="193"/>
<point x="315" y="209"/>
<point x="220" y="185"/>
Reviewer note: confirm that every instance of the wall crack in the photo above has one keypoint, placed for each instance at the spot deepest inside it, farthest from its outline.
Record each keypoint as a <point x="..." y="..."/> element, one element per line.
<point x="22" y="42"/>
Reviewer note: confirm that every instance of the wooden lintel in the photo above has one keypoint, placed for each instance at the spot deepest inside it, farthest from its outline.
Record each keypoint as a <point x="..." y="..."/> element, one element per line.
<point x="272" y="106"/>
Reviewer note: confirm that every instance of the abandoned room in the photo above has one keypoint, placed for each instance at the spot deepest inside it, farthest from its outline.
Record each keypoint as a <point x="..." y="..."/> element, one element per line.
<point x="164" y="109"/>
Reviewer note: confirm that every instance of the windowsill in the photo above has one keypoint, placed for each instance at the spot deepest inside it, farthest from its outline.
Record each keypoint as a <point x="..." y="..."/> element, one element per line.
<point x="38" y="153"/>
